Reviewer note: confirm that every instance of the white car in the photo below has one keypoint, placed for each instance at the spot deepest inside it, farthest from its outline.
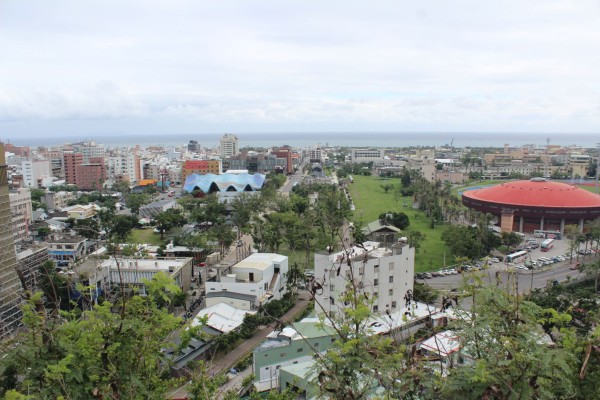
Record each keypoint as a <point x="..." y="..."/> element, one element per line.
<point x="494" y="260"/>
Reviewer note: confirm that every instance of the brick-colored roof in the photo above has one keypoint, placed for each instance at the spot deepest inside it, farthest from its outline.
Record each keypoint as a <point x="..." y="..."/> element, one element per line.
<point x="536" y="193"/>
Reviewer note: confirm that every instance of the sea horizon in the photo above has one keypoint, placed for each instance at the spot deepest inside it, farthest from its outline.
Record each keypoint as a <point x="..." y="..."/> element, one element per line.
<point x="310" y="139"/>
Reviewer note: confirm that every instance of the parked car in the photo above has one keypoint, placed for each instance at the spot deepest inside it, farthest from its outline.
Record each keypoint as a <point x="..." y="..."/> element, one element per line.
<point x="494" y="260"/>
<point x="420" y="276"/>
<point x="427" y="275"/>
<point x="575" y="266"/>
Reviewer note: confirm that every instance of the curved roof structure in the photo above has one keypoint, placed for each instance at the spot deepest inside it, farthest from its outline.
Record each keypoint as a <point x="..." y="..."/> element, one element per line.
<point x="535" y="193"/>
<point x="224" y="183"/>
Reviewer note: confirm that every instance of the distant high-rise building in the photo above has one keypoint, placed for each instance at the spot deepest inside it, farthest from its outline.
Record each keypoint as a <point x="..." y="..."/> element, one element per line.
<point x="285" y="152"/>
<point x="193" y="146"/>
<point x="10" y="286"/>
<point x="229" y="145"/>
<point x="89" y="150"/>
<point x="71" y="161"/>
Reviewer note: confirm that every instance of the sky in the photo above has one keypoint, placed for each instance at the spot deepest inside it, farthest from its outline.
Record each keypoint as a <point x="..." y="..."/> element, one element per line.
<point x="160" y="67"/>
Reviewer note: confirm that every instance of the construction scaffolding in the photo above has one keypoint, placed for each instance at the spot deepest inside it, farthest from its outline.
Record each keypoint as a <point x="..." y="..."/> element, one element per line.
<point x="10" y="286"/>
<point x="29" y="263"/>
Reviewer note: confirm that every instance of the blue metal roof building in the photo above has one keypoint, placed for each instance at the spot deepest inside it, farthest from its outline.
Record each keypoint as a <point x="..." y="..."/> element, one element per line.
<point x="211" y="183"/>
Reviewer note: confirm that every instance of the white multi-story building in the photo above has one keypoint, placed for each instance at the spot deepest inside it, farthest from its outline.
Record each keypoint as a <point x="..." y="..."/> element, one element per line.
<point x="315" y="154"/>
<point x="124" y="165"/>
<point x="34" y="171"/>
<point x="229" y="145"/>
<point x="21" y="210"/>
<point x="384" y="274"/>
<point x="253" y="281"/>
<point x="367" y="155"/>
<point x="89" y="150"/>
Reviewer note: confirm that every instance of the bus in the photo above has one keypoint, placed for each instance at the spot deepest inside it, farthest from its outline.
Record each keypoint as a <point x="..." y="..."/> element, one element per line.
<point x="547" y="244"/>
<point x="517" y="257"/>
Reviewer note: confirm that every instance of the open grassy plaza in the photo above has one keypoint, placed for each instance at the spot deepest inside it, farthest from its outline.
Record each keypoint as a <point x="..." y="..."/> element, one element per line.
<point x="145" y="236"/>
<point x="371" y="200"/>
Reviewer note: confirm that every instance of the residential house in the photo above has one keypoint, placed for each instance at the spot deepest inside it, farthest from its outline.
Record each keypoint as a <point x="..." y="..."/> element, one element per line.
<point x="261" y="277"/>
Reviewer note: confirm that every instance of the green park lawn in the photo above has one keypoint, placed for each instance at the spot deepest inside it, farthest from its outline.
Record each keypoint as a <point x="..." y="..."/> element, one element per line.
<point x="370" y="200"/>
<point x="591" y="188"/>
<point x="145" y="236"/>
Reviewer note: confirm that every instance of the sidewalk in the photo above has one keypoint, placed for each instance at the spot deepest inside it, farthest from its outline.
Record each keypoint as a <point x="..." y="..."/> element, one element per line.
<point x="229" y="360"/>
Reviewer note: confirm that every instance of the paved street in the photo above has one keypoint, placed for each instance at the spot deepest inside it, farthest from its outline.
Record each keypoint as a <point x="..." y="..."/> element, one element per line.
<point x="527" y="280"/>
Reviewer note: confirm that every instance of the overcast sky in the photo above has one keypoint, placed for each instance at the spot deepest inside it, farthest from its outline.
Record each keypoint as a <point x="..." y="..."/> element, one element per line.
<point x="90" y="67"/>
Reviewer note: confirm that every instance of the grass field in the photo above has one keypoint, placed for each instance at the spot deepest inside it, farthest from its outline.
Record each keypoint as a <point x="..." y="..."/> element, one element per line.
<point x="457" y="189"/>
<point x="591" y="189"/>
<point x="141" y="236"/>
<point x="370" y="200"/>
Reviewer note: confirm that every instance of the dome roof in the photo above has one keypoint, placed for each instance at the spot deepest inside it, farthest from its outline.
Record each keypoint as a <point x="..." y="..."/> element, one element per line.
<point x="536" y="193"/>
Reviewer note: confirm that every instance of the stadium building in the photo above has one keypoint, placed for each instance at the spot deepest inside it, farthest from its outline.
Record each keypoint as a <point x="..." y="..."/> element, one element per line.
<point x="537" y="204"/>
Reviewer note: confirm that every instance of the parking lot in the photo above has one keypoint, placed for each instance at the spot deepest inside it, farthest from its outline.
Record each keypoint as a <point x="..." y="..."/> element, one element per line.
<point x="537" y="277"/>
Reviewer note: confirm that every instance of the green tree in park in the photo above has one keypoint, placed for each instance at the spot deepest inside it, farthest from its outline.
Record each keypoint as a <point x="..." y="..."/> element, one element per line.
<point x="510" y="239"/>
<point x="168" y="219"/>
<point x="137" y="201"/>
<point x="398" y="219"/>
<point x="387" y="187"/>
<point x="415" y="239"/>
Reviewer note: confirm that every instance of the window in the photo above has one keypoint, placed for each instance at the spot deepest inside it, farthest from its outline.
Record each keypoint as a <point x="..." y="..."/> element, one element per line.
<point x="361" y="271"/>
<point x="393" y="304"/>
<point x="316" y="344"/>
<point x="300" y="350"/>
<point x="331" y="301"/>
<point x="332" y="287"/>
<point x="332" y="340"/>
<point x="391" y="266"/>
<point x="375" y="294"/>
<point x="391" y="279"/>
<point x="375" y="308"/>
<point x="282" y="355"/>
<point x="375" y="282"/>
<point x="391" y="292"/>
<point x="376" y="267"/>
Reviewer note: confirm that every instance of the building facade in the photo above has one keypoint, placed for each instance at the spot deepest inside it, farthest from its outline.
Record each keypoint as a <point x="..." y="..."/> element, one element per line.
<point x="70" y="161"/>
<point x="10" y="286"/>
<point x="21" y="210"/>
<point x="367" y="155"/>
<point x="229" y="146"/>
<point x="262" y="276"/>
<point x="384" y="274"/>
<point x="91" y="175"/>
<point x="200" y="167"/>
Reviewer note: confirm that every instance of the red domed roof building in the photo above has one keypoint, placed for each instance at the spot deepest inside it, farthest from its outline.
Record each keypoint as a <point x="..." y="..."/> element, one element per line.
<point x="525" y="206"/>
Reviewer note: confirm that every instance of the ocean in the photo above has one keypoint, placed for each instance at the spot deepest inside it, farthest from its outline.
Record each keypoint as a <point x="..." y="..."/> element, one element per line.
<point x="310" y="139"/>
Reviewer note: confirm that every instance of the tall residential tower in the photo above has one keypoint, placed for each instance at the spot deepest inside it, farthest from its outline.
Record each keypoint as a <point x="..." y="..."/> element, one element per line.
<point x="10" y="286"/>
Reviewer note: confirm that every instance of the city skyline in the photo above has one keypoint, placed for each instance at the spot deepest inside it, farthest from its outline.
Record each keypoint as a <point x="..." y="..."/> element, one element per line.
<point x="93" y="69"/>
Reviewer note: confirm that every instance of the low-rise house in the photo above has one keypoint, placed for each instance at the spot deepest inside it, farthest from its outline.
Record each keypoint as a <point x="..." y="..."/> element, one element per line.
<point x="290" y="346"/>
<point x="261" y="277"/>
<point x="79" y="211"/>
<point x="132" y="271"/>
<point x="67" y="250"/>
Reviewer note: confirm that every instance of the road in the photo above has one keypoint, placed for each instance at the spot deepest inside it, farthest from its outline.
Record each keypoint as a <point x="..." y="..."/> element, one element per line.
<point x="526" y="280"/>
<point x="297" y="177"/>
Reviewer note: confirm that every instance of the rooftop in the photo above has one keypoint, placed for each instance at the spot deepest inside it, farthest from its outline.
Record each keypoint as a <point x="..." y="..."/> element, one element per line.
<point x="536" y="193"/>
<point x="260" y="261"/>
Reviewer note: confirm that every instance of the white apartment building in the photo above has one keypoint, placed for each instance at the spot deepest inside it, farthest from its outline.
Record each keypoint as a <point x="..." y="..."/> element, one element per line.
<point x="367" y="155"/>
<point x="21" y="210"/>
<point x="255" y="280"/>
<point x="124" y="165"/>
<point x="315" y="154"/>
<point x="89" y="150"/>
<point x="34" y="171"/>
<point x="384" y="274"/>
<point x="229" y="145"/>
